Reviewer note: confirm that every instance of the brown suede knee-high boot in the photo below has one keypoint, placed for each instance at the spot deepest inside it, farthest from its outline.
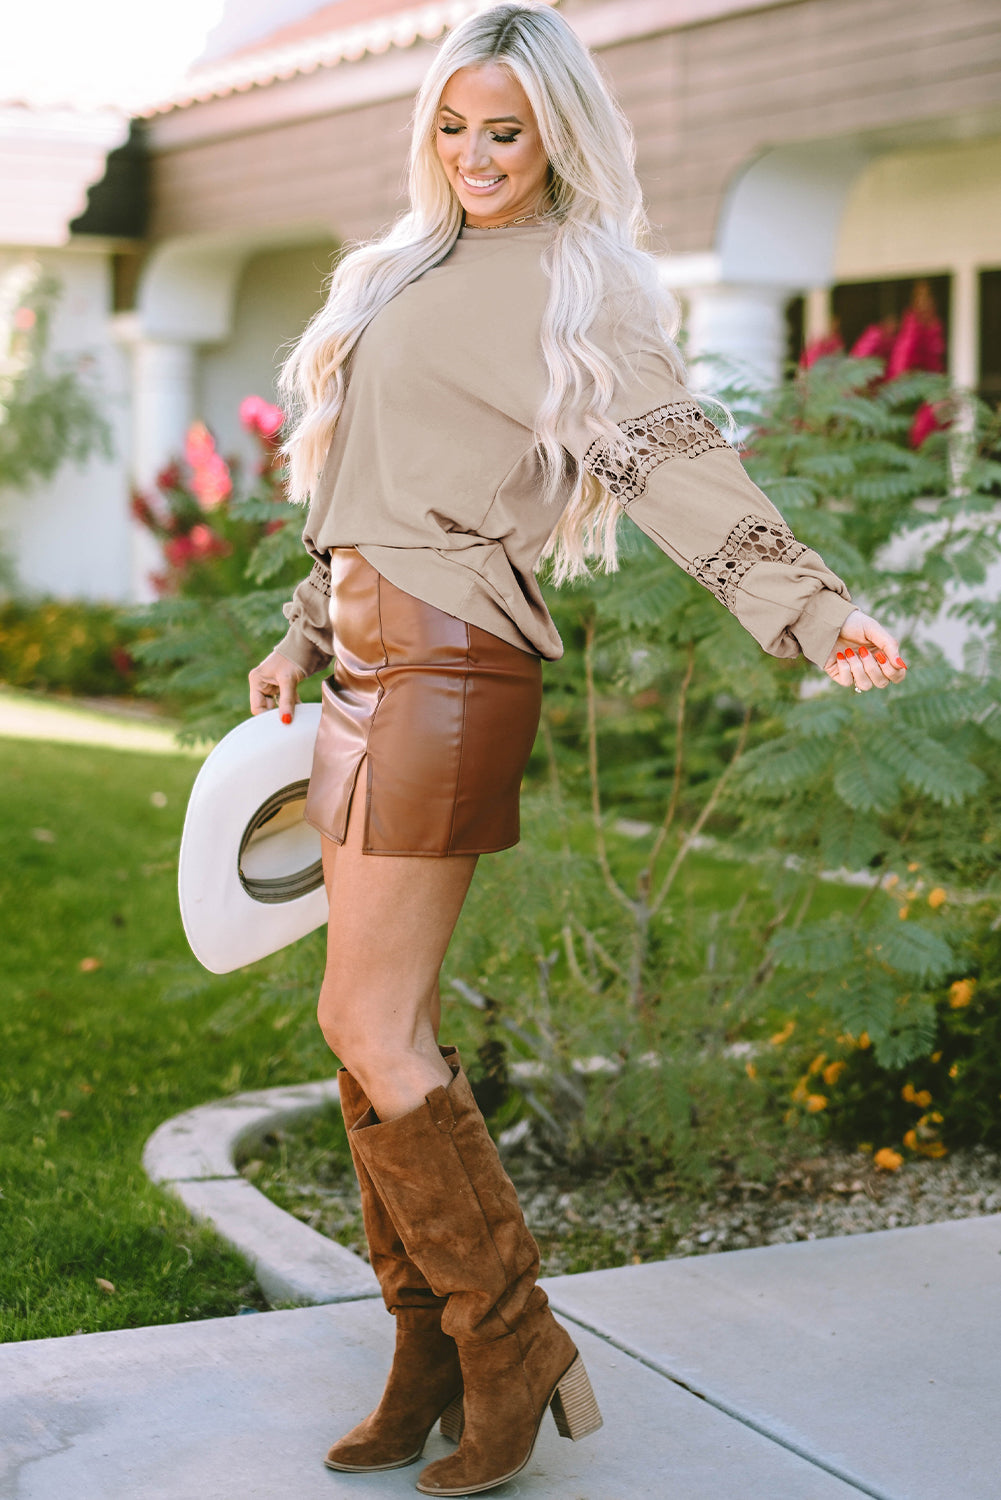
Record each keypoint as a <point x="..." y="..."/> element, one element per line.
<point x="425" y="1380"/>
<point x="458" y="1215"/>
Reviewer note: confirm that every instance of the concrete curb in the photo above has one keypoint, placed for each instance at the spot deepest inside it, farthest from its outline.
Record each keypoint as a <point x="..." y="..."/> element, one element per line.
<point x="194" y="1156"/>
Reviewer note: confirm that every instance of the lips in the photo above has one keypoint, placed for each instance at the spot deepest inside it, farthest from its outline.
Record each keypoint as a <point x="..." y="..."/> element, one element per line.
<point x="481" y="184"/>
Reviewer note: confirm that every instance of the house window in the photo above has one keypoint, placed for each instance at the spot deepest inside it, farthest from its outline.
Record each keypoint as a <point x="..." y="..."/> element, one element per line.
<point x="857" y="305"/>
<point x="989" y="374"/>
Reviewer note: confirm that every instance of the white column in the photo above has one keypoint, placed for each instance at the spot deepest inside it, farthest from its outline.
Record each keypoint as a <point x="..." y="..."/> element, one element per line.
<point x="164" y="373"/>
<point x="816" y="313"/>
<point x="742" y="324"/>
<point x="964" y="330"/>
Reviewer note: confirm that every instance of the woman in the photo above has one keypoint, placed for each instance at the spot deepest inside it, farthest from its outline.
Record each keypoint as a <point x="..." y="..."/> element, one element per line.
<point x="491" y="382"/>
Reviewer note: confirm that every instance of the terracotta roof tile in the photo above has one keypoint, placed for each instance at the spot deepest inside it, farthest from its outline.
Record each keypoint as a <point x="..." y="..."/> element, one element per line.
<point x="324" y="21"/>
<point x="396" y="26"/>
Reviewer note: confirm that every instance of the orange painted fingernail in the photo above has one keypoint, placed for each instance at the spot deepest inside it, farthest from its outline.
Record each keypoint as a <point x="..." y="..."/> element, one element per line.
<point x="849" y="652"/>
<point x="900" y="663"/>
<point x="862" y="651"/>
<point x="841" y="656"/>
<point x="286" y="718"/>
<point x="881" y="658"/>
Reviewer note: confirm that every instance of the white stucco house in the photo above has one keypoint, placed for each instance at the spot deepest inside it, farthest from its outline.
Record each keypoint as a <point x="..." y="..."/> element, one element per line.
<point x="798" y="156"/>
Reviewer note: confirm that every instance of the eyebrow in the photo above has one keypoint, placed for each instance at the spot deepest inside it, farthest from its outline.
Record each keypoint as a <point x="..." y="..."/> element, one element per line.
<point x="497" y="120"/>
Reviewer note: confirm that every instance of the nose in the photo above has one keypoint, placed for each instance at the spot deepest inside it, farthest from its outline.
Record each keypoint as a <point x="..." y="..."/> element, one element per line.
<point x="474" y="155"/>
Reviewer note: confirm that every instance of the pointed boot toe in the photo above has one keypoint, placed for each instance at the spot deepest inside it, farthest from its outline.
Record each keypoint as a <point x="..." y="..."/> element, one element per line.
<point x="425" y="1384"/>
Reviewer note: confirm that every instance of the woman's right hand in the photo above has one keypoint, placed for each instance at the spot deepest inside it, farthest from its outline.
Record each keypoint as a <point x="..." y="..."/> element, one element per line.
<point x="275" y="678"/>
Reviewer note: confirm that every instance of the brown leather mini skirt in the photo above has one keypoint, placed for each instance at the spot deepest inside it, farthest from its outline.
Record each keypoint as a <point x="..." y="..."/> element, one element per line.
<point x="438" y="716"/>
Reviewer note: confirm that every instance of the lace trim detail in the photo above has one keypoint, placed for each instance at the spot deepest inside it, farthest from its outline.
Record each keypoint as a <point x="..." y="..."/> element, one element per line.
<point x="319" y="578"/>
<point x="751" y="541"/>
<point x="679" y="430"/>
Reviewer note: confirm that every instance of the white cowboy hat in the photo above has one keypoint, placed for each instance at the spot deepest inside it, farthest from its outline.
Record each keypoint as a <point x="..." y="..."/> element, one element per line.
<point x="249" y="878"/>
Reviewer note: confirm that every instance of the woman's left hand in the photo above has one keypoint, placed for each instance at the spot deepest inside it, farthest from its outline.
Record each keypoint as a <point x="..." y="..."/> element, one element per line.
<point x="865" y="655"/>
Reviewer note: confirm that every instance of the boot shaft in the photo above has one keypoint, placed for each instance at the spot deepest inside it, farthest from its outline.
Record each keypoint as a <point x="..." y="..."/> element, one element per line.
<point x="456" y="1210"/>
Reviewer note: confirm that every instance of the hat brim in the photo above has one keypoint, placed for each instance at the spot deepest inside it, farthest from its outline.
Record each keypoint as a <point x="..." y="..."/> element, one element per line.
<point x="249" y="880"/>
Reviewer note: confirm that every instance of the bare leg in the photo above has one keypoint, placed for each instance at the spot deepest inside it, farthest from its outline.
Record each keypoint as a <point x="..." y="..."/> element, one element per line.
<point x="391" y="921"/>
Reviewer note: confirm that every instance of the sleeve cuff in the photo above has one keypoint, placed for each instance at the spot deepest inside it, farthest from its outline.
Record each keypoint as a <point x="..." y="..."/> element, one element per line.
<point x="819" y="626"/>
<point x="298" y="648"/>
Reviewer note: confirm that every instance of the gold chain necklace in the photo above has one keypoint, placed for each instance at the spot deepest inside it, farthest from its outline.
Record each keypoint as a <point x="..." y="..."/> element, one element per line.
<point x="525" y="219"/>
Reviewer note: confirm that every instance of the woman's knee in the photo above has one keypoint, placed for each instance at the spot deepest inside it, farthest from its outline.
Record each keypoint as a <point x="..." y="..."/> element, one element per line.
<point x="335" y="1015"/>
<point x="365" y="1035"/>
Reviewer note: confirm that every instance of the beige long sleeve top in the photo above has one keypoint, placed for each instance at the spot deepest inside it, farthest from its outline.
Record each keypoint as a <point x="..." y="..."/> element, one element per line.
<point x="433" y="473"/>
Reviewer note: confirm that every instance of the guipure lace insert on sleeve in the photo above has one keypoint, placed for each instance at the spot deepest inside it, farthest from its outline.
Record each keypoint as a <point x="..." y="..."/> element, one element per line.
<point x="679" y="430"/>
<point x="751" y="541"/>
<point x="319" y="578"/>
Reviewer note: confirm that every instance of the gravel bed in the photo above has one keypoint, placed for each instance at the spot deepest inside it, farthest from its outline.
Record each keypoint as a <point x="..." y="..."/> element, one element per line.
<point x="590" y="1225"/>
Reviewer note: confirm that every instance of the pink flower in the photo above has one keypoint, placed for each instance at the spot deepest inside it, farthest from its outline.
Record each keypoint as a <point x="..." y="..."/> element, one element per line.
<point x="25" y="319"/>
<point x="258" y="415"/>
<point x="169" y="478"/>
<point x="205" y="543"/>
<point x="211" y="482"/>
<point x="828" y="343"/>
<point x="199" y="445"/>
<point x="142" y="510"/>
<point x="926" y="421"/>
<point x="179" y="551"/>
<point x="920" y="345"/>
<point x="874" y="342"/>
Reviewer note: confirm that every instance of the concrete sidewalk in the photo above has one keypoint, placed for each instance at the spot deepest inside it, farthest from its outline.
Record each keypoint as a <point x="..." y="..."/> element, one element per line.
<point x="825" y="1370"/>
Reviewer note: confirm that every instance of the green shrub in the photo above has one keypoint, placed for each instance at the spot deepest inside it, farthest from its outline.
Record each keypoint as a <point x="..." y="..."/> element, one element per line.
<point x="60" y="647"/>
<point x="951" y="1094"/>
<point x="49" y="412"/>
<point x="221" y="532"/>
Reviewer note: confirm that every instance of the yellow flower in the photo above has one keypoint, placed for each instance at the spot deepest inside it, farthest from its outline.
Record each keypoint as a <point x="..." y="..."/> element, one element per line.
<point x="935" y="1148"/>
<point x="911" y="1140"/>
<point x="907" y="1093"/>
<point x="961" y="992"/>
<point x="937" y="898"/>
<point x="864" y="1041"/>
<point x="750" y="1070"/>
<point x="922" y="1098"/>
<point x="936" y="1057"/>
<point x="902" y="913"/>
<point x="817" y="1064"/>
<point x="954" y="1071"/>
<point x="784" y="1034"/>
<point x="891" y="881"/>
<point x="936" y="1118"/>
<point x="815" y="1103"/>
<point x="887" y="1159"/>
<point x="833" y="1071"/>
<point x="800" y="1092"/>
<point x="914" y="865"/>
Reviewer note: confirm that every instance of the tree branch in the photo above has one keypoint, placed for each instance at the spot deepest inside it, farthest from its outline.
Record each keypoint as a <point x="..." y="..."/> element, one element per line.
<point x="645" y="879"/>
<point x="592" y="765"/>
<point x="703" y="816"/>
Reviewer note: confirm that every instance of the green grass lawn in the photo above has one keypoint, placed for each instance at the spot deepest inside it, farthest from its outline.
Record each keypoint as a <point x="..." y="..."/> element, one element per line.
<point x="108" y="1026"/>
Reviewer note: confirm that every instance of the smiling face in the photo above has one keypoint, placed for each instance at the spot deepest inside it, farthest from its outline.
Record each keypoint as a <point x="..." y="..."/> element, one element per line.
<point x="489" y="144"/>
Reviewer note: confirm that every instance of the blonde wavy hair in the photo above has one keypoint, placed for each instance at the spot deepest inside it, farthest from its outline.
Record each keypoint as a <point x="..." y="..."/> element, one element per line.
<point x="595" y="262"/>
